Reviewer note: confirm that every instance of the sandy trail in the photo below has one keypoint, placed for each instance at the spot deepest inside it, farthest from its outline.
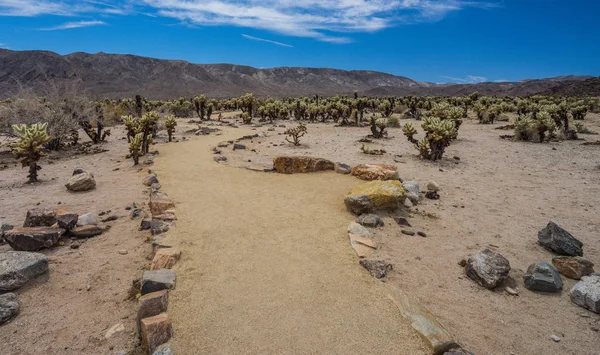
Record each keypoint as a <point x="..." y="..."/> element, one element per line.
<point x="267" y="267"/>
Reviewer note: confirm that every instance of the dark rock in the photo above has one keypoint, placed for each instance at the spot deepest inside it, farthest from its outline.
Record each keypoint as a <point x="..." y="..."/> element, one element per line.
<point x="432" y="195"/>
<point x="66" y="220"/>
<point x="586" y="293"/>
<point x="4" y="227"/>
<point x="158" y="226"/>
<point x="542" y="277"/>
<point x="33" y="238"/>
<point x="220" y="158"/>
<point x="9" y="307"/>
<point x="150" y="179"/>
<point x="558" y="240"/>
<point x="135" y="213"/>
<point x="370" y="220"/>
<point x="402" y="221"/>
<point x="86" y="231"/>
<point x="40" y="218"/>
<point x="377" y="268"/>
<point x="487" y="268"/>
<point x="238" y="146"/>
<point x="407" y="232"/>
<point x="78" y="171"/>
<point x="18" y="267"/>
<point x="110" y="218"/>
<point x="359" y="204"/>
<point x="158" y="280"/>
<point x="81" y="182"/>
<point x="145" y="224"/>
<point x="301" y="164"/>
<point x="342" y="168"/>
<point x="422" y="234"/>
<point x="573" y="267"/>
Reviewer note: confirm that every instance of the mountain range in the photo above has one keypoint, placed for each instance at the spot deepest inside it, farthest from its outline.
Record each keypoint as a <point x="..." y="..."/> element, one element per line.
<point x="103" y="75"/>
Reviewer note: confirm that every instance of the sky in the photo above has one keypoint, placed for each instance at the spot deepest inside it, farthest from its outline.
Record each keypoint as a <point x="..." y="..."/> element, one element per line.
<point x="462" y="41"/>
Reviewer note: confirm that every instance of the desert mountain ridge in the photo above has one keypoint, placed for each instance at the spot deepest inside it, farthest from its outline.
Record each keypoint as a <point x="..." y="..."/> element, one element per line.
<point x="103" y="75"/>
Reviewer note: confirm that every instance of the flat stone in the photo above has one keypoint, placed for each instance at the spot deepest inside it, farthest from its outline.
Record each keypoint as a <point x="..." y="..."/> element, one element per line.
<point x="357" y="229"/>
<point x="165" y="258"/>
<point x="357" y="239"/>
<point x="88" y="231"/>
<point x="370" y="172"/>
<point x="155" y="331"/>
<point x="342" y="168"/>
<point x="370" y="220"/>
<point x="359" y="204"/>
<point x="150" y="179"/>
<point x="33" y="238"/>
<point x="168" y="215"/>
<point x="361" y="250"/>
<point x="87" y="220"/>
<point x="157" y="280"/>
<point x="81" y="182"/>
<point x="159" y="203"/>
<point x="573" y="267"/>
<point x="558" y="240"/>
<point x="424" y="322"/>
<point x="9" y="307"/>
<point x="40" y="218"/>
<point x="18" y="267"/>
<point x="164" y="349"/>
<point x="542" y="277"/>
<point x="301" y="164"/>
<point x="586" y="293"/>
<point x="487" y="268"/>
<point x="152" y="304"/>
<point x="377" y="268"/>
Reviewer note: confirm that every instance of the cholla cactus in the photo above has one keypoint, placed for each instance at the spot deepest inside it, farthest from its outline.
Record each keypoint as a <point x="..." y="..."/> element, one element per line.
<point x="579" y="112"/>
<point x="131" y="124"/>
<point x="170" y="124"/>
<point x="438" y="135"/>
<point x="528" y="128"/>
<point x="378" y="126"/>
<point x="135" y="147"/>
<point x="148" y="126"/>
<point x="29" y="148"/>
<point x="246" y="118"/>
<point x="295" y="133"/>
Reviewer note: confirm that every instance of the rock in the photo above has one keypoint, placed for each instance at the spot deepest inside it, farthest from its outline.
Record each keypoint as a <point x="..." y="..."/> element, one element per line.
<point x="152" y="304"/>
<point x="424" y="322"/>
<point x="370" y="220"/>
<point x="146" y="224"/>
<point x="377" y="268"/>
<point x="412" y="191"/>
<point x="158" y="226"/>
<point x="66" y="220"/>
<point x="150" y="179"/>
<point x="5" y="227"/>
<point x="117" y="328"/>
<point x="9" y="307"/>
<point x="573" y="267"/>
<point x="511" y="291"/>
<point x="555" y="338"/>
<point x="40" y="218"/>
<point x="384" y="194"/>
<point x="165" y="258"/>
<point x="81" y="182"/>
<point x="238" y="146"/>
<point x="487" y="268"/>
<point x="422" y="234"/>
<point x="433" y="186"/>
<point x="78" y="171"/>
<point x="359" y="204"/>
<point x="220" y="158"/>
<point x="157" y="280"/>
<point x="432" y="195"/>
<point x="357" y="229"/>
<point x="342" y="168"/>
<point x="17" y="268"/>
<point x="372" y="172"/>
<point x="88" y="231"/>
<point x="407" y="203"/>
<point x="135" y="213"/>
<point x="164" y="349"/>
<point x="402" y="221"/>
<point x="159" y="203"/>
<point x="408" y="232"/>
<point x="224" y="144"/>
<point x="586" y="293"/>
<point x="542" y="277"/>
<point x="558" y="240"/>
<point x="87" y="219"/>
<point x="302" y="164"/>
<point x="363" y="247"/>
<point x="33" y="238"/>
<point x="110" y="218"/>
<point x="155" y="331"/>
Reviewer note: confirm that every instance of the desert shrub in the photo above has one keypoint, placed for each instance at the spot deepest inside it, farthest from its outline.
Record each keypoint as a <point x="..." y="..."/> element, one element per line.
<point x="246" y="118"/>
<point x="170" y="124"/>
<point x="438" y="135"/>
<point x="393" y="122"/>
<point x="29" y="147"/>
<point x="181" y="107"/>
<point x="579" y="112"/>
<point x="295" y="134"/>
<point x="528" y="128"/>
<point x="378" y="126"/>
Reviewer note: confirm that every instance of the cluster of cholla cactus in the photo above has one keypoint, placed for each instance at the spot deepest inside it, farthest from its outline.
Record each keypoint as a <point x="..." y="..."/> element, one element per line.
<point x="144" y="127"/>
<point x="170" y="124"/>
<point x="295" y="133"/>
<point x="29" y="147"/>
<point x="438" y="135"/>
<point x="538" y="127"/>
<point x="378" y="126"/>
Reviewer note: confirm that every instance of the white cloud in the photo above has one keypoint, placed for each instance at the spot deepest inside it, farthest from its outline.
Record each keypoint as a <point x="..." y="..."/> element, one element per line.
<point x="324" y="20"/>
<point x="78" y="24"/>
<point x="266" y="40"/>
<point x="469" y="79"/>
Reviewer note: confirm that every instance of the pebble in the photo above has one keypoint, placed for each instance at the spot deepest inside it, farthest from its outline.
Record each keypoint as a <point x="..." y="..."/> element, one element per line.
<point x="422" y="234"/>
<point x="555" y="338"/>
<point x="408" y="232"/>
<point x="511" y="291"/>
<point x="123" y="252"/>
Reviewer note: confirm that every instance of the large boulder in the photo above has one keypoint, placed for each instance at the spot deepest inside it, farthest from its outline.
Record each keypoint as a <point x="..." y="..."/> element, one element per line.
<point x="33" y="238"/>
<point x="542" y="277"/>
<point x="573" y="267"/>
<point x="558" y="240"/>
<point x="372" y="172"/>
<point x="302" y="164"/>
<point x="9" y="307"/>
<point x="384" y="194"/>
<point x="586" y="293"/>
<point x="18" y="267"/>
<point x="487" y="268"/>
<point x="40" y="218"/>
<point x="81" y="182"/>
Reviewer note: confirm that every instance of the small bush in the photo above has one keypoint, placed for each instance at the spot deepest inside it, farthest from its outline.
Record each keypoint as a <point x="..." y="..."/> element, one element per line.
<point x="295" y="133"/>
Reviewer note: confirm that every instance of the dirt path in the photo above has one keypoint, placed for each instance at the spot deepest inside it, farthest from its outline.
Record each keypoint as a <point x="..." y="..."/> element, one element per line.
<point x="266" y="265"/>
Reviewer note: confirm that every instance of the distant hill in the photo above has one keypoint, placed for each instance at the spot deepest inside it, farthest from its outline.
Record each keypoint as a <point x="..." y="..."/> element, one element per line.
<point x="113" y="75"/>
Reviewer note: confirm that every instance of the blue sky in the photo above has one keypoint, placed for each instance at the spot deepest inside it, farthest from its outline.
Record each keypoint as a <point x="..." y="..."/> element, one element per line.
<point x="426" y="40"/>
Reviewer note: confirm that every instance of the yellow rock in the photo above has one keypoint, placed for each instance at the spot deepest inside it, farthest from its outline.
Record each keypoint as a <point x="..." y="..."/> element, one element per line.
<point x="384" y="194"/>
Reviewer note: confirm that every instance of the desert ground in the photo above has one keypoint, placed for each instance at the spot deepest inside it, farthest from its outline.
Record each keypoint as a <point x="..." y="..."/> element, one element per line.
<point x="266" y="264"/>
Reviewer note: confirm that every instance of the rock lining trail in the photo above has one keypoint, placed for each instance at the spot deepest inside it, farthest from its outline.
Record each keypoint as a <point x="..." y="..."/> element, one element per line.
<point x="266" y="265"/>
